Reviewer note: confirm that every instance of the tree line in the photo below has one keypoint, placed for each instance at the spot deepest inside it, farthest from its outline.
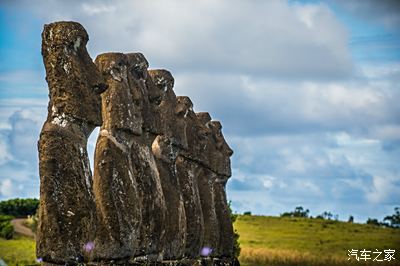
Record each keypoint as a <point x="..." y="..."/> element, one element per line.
<point x="389" y="221"/>
<point x="300" y="212"/>
<point x="9" y="209"/>
<point x="19" y="207"/>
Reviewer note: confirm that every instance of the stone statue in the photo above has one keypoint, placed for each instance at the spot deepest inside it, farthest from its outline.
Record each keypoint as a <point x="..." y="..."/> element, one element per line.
<point x="115" y="185"/>
<point x="160" y="169"/>
<point x="165" y="148"/>
<point x="67" y="208"/>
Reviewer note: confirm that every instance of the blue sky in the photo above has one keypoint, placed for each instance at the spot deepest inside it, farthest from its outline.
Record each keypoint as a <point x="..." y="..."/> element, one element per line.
<point x="307" y="91"/>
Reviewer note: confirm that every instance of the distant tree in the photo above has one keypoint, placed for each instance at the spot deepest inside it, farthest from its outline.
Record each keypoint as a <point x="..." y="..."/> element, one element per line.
<point x="247" y="213"/>
<point x="351" y="219"/>
<point x="373" y="221"/>
<point x="394" y="219"/>
<point x="19" y="207"/>
<point x="298" y="212"/>
<point x="327" y="215"/>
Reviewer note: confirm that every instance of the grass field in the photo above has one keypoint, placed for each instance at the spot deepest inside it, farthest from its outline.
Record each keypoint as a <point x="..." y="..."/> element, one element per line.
<point x="302" y="241"/>
<point x="18" y="251"/>
<point x="275" y="241"/>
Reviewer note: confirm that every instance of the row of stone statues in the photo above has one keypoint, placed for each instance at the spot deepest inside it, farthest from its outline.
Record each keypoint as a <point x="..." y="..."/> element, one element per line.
<point x="157" y="194"/>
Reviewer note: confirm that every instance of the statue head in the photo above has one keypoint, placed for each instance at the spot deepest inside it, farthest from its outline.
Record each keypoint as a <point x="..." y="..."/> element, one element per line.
<point x="221" y="152"/>
<point x="74" y="82"/>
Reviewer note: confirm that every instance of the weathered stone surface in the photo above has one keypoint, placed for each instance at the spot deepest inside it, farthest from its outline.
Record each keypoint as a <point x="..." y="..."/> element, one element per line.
<point x="67" y="208"/>
<point x="165" y="102"/>
<point x="187" y="172"/>
<point x="206" y="180"/>
<point x="175" y="224"/>
<point x="158" y="193"/>
<point x="219" y="155"/>
<point x="154" y="208"/>
<point x="201" y="152"/>
<point x="120" y="111"/>
<point x="152" y="232"/>
<point x="226" y="239"/>
<point x="73" y="79"/>
<point x="165" y="148"/>
<point x="115" y="185"/>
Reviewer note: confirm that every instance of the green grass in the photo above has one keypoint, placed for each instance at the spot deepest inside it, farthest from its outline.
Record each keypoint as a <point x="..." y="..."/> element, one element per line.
<point x="302" y="241"/>
<point x="18" y="251"/>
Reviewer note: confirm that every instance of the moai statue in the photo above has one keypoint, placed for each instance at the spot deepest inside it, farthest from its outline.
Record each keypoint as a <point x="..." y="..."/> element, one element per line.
<point x="165" y="148"/>
<point x="115" y="183"/>
<point x="206" y="181"/>
<point x="152" y="231"/>
<point x="67" y="211"/>
<point x="160" y="170"/>
<point x="187" y="172"/>
<point x="219" y="155"/>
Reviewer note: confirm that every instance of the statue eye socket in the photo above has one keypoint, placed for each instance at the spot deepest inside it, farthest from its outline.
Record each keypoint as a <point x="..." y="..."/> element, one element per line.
<point x="156" y="100"/>
<point x="203" y="135"/>
<point x="100" y="88"/>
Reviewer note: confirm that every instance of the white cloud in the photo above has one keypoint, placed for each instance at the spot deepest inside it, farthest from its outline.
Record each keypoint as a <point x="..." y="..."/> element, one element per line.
<point x="306" y="123"/>
<point x="380" y="71"/>
<point x="4" y="153"/>
<point x="268" y="181"/>
<point x="268" y="38"/>
<point x="6" y="188"/>
<point x="272" y="106"/>
<point x="18" y="153"/>
<point x="93" y="9"/>
<point x="387" y="132"/>
<point x="384" y="190"/>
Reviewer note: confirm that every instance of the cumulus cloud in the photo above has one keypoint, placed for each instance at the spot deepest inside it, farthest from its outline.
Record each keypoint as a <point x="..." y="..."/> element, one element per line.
<point x="18" y="151"/>
<point x="384" y="190"/>
<point x="334" y="172"/>
<point x="24" y="133"/>
<point x="268" y="38"/>
<point x="273" y="106"/>
<point x="6" y="188"/>
<point x="309" y="126"/>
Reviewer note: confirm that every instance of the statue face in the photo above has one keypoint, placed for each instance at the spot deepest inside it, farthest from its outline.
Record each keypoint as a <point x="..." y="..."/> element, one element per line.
<point x="223" y="152"/>
<point x="220" y="140"/>
<point x="119" y="111"/>
<point x="137" y="65"/>
<point x="74" y="82"/>
<point x="162" y="100"/>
